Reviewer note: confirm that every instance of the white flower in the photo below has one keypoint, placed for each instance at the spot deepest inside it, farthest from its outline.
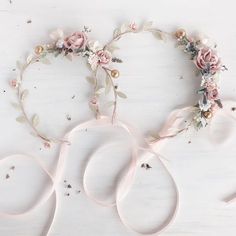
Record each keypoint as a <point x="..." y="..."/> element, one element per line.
<point x="204" y="107"/>
<point x="205" y="40"/>
<point x="59" y="43"/>
<point x="57" y="34"/>
<point x="133" y="26"/>
<point x="97" y="55"/>
<point x="58" y="37"/>
<point x="94" y="46"/>
<point x="93" y="61"/>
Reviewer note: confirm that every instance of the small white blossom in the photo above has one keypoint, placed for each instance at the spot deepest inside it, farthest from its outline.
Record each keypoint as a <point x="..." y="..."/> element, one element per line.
<point x="93" y="61"/>
<point x="204" y="107"/>
<point x="59" y="43"/>
<point x="57" y="34"/>
<point x="94" y="46"/>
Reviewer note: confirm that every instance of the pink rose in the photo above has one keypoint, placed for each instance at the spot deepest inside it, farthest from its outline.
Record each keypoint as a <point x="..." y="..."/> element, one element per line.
<point x="207" y="59"/>
<point x="104" y="57"/>
<point x="212" y="91"/>
<point x="75" y="41"/>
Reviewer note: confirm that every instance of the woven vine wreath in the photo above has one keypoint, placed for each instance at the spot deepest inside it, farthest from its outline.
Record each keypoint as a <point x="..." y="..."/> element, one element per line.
<point x="203" y="56"/>
<point x="74" y="45"/>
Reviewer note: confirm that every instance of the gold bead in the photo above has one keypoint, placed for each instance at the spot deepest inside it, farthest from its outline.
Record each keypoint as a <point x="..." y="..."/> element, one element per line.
<point x="180" y="33"/>
<point x="207" y="114"/>
<point x="39" y="49"/>
<point x="115" y="73"/>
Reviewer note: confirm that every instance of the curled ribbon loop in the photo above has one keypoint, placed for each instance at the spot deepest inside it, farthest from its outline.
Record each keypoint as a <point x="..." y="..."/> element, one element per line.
<point x="173" y="126"/>
<point x="40" y="201"/>
<point x="125" y="181"/>
<point x="228" y="111"/>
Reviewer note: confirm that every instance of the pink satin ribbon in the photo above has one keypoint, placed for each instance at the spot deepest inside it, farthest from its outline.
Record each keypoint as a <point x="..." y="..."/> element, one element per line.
<point x="229" y="114"/>
<point x="174" y="124"/>
<point x="124" y="183"/>
<point x="127" y="179"/>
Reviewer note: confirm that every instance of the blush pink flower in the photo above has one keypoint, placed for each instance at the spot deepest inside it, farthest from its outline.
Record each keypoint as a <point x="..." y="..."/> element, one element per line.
<point x="93" y="102"/>
<point x="133" y="26"/>
<point x="47" y="145"/>
<point x="14" y="83"/>
<point x="212" y="91"/>
<point x="75" y="41"/>
<point x="94" y="106"/>
<point x="207" y="59"/>
<point x="104" y="57"/>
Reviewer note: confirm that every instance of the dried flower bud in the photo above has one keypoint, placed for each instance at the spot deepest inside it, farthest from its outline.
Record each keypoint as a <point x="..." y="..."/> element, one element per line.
<point x="14" y="83"/>
<point x="133" y="26"/>
<point x="47" y="145"/>
<point x="93" y="102"/>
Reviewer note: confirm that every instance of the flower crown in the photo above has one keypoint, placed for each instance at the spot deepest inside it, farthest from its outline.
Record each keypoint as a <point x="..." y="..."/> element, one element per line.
<point x="76" y="44"/>
<point x="209" y="66"/>
<point x="204" y="57"/>
<point x="101" y="57"/>
<point x="98" y="57"/>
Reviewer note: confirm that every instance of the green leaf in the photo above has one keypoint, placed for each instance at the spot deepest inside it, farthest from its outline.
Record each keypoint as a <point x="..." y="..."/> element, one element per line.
<point x="121" y="94"/>
<point x="100" y="91"/>
<point x="116" y="33"/>
<point x="69" y="57"/>
<point x="57" y="53"/>
<point x="21" y="119"/>
<point x="24" y="94"/>
<point x="112" y="47"/>
<point x="35" y="120"/>
<point x="19" y="65"/>
<point x="159" y="35"/>
<point x="147" y="25"/>
<point x="93" y="108"/>
<point x="108" y="86"/>
<point x="123" y="28"/>
<point x="29" y="58"/>
<point x="90" y="79"/>
<point x="110" y="104"/>
<point x="33" y="134"/>
<point x="45" y="61"/>
<point x="15" y="105"/>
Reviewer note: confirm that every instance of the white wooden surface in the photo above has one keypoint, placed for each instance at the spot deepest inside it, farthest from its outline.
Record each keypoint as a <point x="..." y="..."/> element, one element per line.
<point x="206" y="172"/>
